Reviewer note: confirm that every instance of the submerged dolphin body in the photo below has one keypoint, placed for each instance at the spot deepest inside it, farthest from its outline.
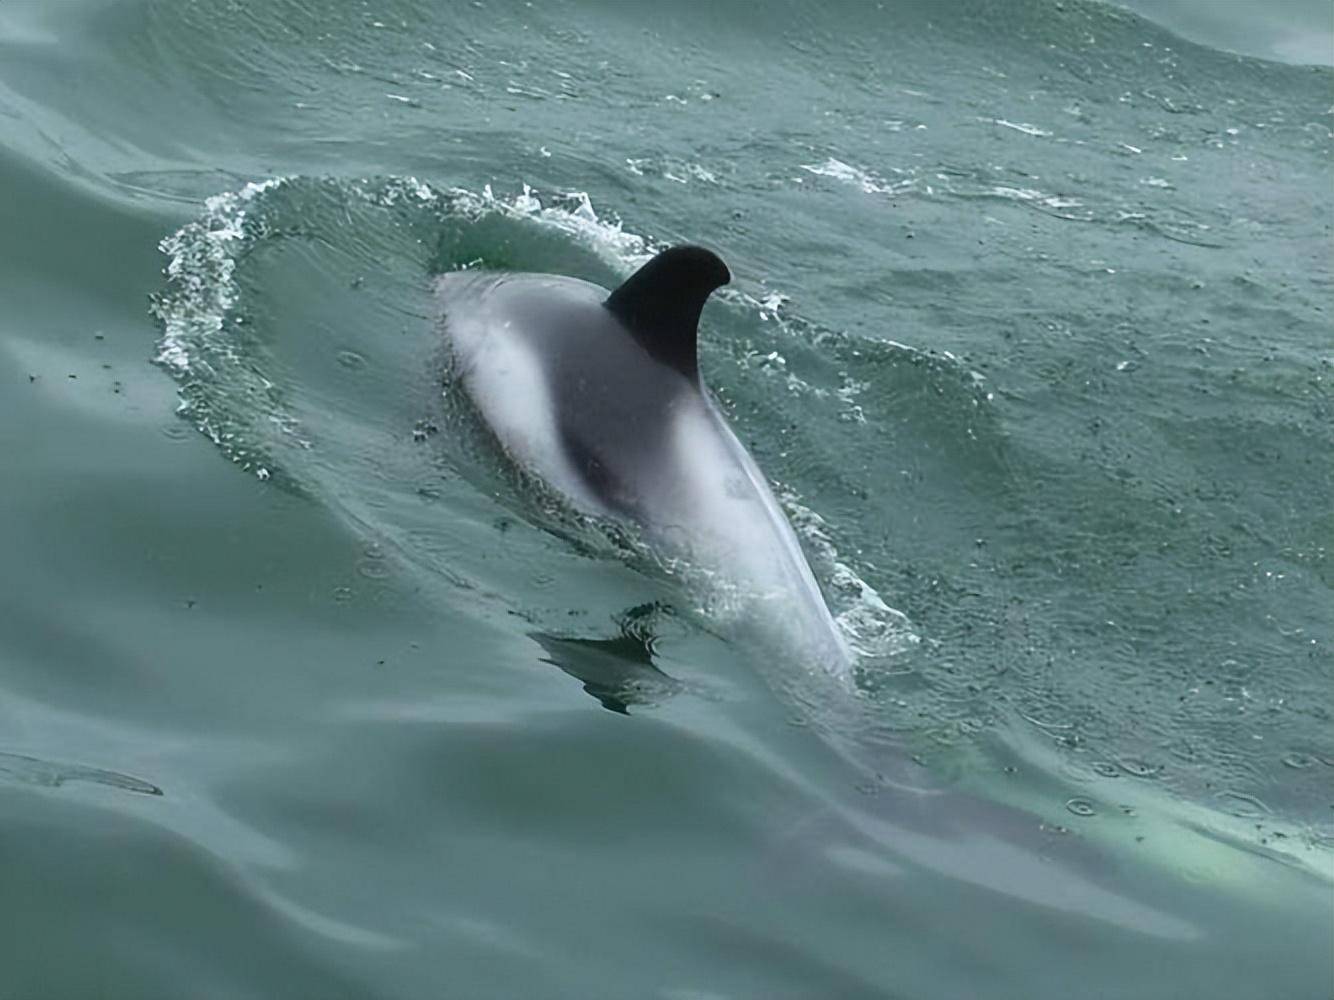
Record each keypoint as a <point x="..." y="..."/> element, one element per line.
<point x="599" y="395"/>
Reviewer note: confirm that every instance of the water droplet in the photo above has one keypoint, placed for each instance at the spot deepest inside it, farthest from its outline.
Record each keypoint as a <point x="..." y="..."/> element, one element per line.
<point x="351" y="360"/>
<point x="1081" y="807"/>
<point x="373" y="568"/>
<point x="1138" y="768"/>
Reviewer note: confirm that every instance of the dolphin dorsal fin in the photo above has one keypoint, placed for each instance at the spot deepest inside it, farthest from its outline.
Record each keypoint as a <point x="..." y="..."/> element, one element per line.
<point x="661" y="302"/>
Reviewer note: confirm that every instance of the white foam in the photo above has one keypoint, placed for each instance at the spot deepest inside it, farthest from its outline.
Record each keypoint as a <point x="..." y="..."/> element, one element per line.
<point x="1023" y="127"/>
<point x="679" y="171"/>
<point x="201" y="261"/>
<point x="870" y="183"/>
<point x="871" y="626"/>
<point x="1033" y="195"/>
<point x="571" y="213"/>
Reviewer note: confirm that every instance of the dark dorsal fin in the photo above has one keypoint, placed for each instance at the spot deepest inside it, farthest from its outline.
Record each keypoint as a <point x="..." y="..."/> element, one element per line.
<point x="661" y="302"/>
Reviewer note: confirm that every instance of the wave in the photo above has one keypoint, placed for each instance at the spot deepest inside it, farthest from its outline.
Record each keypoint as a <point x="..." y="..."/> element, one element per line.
<point x="232" y="343"/>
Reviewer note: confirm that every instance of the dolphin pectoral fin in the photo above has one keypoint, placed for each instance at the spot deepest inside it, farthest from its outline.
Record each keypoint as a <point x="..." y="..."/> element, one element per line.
<point x="618" y="672"/>
<point x="661" y="302"/>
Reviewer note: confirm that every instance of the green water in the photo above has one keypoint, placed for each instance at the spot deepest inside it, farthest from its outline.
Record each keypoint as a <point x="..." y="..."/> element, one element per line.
<point x="1030" y="327"/>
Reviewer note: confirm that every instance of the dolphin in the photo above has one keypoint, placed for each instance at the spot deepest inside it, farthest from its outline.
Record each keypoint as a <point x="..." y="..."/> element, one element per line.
<point x="598" y="394"/>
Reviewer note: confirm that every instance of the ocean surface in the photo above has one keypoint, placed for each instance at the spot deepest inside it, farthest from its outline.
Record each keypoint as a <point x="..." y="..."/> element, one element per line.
<point x="303" y="693"/>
